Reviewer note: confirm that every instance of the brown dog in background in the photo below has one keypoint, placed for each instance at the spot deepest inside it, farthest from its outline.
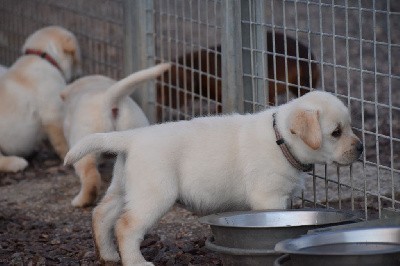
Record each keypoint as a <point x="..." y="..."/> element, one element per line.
<point x="197" y="76"/>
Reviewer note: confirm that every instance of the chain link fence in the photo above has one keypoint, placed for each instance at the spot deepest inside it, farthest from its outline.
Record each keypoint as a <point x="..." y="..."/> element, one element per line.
<point x="98" y="25"/>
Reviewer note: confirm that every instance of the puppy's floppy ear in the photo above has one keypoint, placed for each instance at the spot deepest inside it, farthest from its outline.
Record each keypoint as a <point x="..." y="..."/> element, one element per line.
<point x="305" y="124"/>
<point x="69" y="45"/>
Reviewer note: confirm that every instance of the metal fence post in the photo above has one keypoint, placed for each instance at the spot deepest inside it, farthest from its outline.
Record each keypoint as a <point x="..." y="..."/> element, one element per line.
<point x="140" y="49"/>
<point x="232" y="85"/>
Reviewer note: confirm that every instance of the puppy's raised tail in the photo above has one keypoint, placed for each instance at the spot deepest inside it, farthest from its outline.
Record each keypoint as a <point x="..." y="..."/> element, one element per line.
<point x="127" y="86"/>
<point x="113" y="142"/>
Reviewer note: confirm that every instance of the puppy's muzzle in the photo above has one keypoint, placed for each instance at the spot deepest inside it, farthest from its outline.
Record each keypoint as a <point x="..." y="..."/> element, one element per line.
<point x="357" y="148"/>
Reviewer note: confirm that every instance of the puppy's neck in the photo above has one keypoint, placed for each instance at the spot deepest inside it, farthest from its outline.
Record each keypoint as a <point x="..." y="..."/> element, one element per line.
<point x="285" y="150"/>
<point x="45" y="56"/>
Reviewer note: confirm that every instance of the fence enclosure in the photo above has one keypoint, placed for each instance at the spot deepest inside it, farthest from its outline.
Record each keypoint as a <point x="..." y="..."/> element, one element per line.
<point x="245" y="55"/>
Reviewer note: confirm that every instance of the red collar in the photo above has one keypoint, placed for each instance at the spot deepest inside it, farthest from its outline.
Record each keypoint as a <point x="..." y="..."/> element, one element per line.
<point x="45" y="56"/>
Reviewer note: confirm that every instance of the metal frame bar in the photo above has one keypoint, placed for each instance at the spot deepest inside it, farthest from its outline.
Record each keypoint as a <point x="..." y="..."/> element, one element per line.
<point x="139" y="49"/>
<point x="232" y="87"/>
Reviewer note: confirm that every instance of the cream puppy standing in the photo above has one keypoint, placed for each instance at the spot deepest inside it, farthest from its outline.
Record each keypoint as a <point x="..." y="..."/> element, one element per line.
<point x="100" y="104"/>
<point x="252" y="161"/>
<point x="30" y="105"/>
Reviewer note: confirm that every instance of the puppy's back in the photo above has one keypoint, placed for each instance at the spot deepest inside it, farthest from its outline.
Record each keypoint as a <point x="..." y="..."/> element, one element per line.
<point x="87" y="85"/>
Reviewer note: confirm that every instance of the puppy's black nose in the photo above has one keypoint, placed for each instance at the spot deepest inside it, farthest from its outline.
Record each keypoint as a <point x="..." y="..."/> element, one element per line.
<point x="360" y="147"/>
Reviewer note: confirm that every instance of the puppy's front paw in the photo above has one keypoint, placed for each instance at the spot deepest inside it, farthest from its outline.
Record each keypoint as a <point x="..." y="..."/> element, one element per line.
<point x="111" y="258"/>
<point x="81" y="201"/>
<point x="15" y="164"/>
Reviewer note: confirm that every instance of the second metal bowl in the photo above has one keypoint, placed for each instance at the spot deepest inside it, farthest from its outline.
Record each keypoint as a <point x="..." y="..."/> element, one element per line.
<point x="369" y="246"/>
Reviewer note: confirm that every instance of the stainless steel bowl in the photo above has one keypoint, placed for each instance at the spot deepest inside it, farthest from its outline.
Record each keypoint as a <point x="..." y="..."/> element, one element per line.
<point x="263" y="229"/>
<point x="368" y="246"/>
<point x="249" y="237"/>
<point x="277" y="218"/>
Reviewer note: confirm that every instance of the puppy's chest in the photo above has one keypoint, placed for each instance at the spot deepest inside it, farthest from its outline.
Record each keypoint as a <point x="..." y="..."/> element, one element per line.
<point x="298" y="183"/>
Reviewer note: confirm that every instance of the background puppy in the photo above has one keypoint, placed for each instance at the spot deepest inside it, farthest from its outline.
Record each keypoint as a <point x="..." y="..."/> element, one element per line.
<point x="100" y="104"/>
<point x="30" y="106"/>
<point x="213" y="164"/>
<point x="197" y="75"/>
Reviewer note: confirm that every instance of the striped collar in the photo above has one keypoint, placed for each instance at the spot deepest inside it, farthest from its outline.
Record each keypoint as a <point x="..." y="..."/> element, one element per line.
<point x="286" y="152"/>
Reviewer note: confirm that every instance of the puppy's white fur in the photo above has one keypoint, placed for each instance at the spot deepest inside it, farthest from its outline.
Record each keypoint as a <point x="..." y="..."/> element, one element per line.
<point x="30" y="106"/>
<point x="212" y="164"/>
<point x="100" y="104"/>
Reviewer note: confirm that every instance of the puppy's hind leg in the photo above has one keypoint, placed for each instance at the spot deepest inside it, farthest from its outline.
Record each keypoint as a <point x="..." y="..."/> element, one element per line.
<point x="56" y="137"/>
<point x="106" y="214"/>
<point x="86" y="168"/>
<point x="12" y="163"/>
<point x="145" y="205"/>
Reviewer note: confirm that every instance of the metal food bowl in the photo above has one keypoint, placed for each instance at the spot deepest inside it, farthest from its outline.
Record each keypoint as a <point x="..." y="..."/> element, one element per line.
<point x="368" y="246"/>
<point x="249" y="238"/>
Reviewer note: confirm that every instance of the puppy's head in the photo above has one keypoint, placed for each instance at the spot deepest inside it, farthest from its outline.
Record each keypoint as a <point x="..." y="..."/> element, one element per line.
<point x="60" y="44"/>
<point x="320" y="130"/>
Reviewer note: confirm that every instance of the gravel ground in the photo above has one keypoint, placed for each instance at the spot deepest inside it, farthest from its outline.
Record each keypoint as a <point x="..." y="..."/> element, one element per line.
<point x="38" y="226"/>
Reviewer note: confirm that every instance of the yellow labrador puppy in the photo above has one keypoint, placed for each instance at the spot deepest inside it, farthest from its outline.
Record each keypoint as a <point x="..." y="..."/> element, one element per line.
<point x="252" y="161"/>
<point x="30" y="104"/>
<point x="100" y="104"/>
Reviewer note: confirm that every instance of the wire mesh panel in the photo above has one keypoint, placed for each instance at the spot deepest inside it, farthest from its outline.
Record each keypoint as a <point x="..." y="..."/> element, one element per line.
<point x="98" y="26"/>
<point x="347" y="48"/>
<point x="275" y="57"/>
<point x="187" y="33"/>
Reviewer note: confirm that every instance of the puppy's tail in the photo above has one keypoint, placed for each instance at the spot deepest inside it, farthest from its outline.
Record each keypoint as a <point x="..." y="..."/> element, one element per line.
<point x="127" y="85"/>
<point x="113" y="142"/>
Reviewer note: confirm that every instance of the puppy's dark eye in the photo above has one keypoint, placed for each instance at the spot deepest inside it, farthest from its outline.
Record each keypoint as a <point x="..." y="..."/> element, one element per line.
<point x="337" y="132"/>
